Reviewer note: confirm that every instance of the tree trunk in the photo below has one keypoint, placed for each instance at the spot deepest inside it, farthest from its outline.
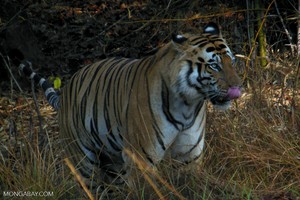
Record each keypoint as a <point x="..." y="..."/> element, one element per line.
<point x="261" y="34"/>
<point x="298" y="44"/>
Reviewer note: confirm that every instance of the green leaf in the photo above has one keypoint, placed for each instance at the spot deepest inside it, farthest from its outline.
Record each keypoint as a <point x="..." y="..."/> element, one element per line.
<point x="57" y="83"/>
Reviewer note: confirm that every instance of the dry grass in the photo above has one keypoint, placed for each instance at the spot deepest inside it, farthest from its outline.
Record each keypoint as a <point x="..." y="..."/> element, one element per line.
<point x="252" y="151"/>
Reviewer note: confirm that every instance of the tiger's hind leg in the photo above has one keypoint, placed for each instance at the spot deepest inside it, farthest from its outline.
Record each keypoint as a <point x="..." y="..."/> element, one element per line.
<point x="105" y="177"/>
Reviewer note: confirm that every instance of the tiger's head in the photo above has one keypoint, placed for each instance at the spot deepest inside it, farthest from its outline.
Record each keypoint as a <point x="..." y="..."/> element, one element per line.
<point x="206" y="68"/>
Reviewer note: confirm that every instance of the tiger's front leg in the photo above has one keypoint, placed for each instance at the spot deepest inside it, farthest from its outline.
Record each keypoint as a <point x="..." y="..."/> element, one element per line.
<point x="138" y="172"/>
<point x="189" y="144"/>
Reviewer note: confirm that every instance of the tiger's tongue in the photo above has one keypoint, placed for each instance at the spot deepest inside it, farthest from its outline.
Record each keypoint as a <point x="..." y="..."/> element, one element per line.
<point x="234" y="93"/>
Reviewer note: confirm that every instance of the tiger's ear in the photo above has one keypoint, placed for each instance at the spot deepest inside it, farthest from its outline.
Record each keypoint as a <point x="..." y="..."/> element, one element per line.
<point x="179" y="39"/>
<point x="212" y="28"/>
<point x="180" y="42"/>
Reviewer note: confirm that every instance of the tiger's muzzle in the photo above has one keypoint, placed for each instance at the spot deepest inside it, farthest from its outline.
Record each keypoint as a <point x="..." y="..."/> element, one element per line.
<point x="224" y="97"/>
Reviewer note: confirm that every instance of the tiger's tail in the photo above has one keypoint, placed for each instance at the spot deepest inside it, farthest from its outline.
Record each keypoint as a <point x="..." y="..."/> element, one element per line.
<point x="52" y="96"/>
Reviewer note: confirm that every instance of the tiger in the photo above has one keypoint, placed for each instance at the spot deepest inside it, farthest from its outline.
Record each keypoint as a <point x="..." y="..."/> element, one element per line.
<point x="149" y="106"/>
